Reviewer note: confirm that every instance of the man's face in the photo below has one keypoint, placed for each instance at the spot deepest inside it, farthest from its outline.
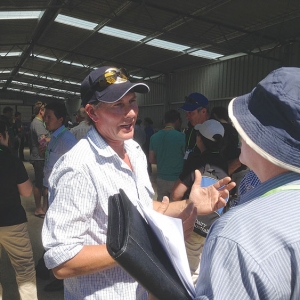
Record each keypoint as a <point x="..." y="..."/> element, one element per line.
<point x="197" y="117"/>
<point x="9" y="115"/>
<point x="115" y="121"/>
<point x="52" y="123"/>
<point x="42" y="111"/>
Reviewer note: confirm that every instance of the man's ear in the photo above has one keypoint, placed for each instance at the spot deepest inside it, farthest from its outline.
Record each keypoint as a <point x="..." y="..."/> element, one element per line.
<point x="90" y="110"/>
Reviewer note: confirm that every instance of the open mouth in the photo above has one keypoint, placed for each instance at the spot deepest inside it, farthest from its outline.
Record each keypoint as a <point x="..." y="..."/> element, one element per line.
<point x="127" y="126"/>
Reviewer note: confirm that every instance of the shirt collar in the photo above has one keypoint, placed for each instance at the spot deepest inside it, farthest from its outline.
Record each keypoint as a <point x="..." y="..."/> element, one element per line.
<point x="58" y="131"/>
<point x="268" y="185"/>
<point x="103" y="148"/>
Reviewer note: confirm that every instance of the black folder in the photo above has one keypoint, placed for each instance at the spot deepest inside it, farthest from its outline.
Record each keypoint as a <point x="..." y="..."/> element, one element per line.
<point x="132" y="243"/>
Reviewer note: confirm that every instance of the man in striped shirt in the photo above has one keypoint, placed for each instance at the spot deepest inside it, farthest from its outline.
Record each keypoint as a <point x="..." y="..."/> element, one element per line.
<point x="82" y="180"/>
<point x="253" y="251"/>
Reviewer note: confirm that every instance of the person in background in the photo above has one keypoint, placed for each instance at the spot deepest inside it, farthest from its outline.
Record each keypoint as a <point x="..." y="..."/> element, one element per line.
<point x="108" y="159"/>
<point x="38" y="134"/>
<point x="139" y="133"/>
<point x="166" y="151"/>
<point x="196" y="108"/>
<point x="62" y="140"/>
<point x="14" y="237"/>
<point x="8" y="118"/>
<point x="19" y="129"/>
<point x="231" y="147"/>
<point x="209" y="141"/>
<point x="83" y="127"/>
<point x="149" y="132"/>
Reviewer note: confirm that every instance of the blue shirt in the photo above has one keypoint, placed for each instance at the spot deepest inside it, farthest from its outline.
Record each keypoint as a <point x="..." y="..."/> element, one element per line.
<point x="253" y="251"/>
<point x="62" y="140"/>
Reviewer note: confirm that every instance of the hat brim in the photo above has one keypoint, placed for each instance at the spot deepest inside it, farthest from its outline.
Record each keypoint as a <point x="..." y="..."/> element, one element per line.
<point x="261" y="137"/>
<point x="115" y="92"/>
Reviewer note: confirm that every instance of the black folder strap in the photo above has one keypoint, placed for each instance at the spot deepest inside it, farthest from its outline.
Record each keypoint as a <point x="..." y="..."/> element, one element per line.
<point x="132" y="243"/>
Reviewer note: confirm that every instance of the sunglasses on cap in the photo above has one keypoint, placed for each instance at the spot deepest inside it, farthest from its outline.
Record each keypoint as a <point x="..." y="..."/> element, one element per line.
<point x="110" y="76"/>
<point x="189" y="100"/>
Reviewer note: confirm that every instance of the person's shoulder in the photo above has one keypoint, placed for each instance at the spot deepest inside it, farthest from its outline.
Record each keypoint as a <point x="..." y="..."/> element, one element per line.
<point x="178" y="133"/>
<point x="69" y="135"/>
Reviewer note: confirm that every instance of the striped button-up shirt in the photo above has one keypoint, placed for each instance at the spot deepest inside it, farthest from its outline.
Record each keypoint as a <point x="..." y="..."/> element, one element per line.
<point x="80" y="185"/>
<point x="253" y="251"/>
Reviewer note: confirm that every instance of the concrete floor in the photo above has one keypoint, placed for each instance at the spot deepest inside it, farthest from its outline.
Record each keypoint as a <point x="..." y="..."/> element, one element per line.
<point x="7" y="275"/>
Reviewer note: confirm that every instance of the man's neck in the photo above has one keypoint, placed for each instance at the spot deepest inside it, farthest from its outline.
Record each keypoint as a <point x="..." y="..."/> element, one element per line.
<point x="169" y="126"/>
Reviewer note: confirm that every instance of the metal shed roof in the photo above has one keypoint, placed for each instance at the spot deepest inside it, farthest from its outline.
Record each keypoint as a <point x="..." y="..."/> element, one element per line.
<point x="45" y="57"/>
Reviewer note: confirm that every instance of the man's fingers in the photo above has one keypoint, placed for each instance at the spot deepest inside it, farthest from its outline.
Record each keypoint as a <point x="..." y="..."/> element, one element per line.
<point x="163" y="205"/>
<point x="188" y="217"/>
<point x="198" y="178"/>
<point x="225" y="183"/>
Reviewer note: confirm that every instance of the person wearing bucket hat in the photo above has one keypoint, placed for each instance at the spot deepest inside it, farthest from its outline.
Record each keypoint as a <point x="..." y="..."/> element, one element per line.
<point x="196" y="108"/>
<point x="106" y="160"/>
<point x="252" y="251"/>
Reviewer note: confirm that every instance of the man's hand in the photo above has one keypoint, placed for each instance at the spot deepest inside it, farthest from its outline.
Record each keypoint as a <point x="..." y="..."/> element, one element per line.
<point x="188" y="216"/>
<point x="210" y="198"/>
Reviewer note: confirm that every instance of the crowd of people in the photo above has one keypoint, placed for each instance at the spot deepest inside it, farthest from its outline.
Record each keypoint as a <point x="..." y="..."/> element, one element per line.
<point x="250" y="252"/>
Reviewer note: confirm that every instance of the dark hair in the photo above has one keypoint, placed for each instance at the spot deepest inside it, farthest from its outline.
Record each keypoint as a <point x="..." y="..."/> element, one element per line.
<point x="59" y="110"/>
<point x="172" y="116"/>
<point x="138" y="122"/>
<point x="7" y="109"/>
<point x="211" y="145"/>
<point x="148" y="120"/>
<point x="17" y="114"/>
<point x="3" y="128"/>
<point x="219" y="112"/>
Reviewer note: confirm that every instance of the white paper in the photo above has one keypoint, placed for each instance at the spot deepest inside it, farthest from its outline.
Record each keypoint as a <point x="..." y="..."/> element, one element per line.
<point x="169" y="231"/>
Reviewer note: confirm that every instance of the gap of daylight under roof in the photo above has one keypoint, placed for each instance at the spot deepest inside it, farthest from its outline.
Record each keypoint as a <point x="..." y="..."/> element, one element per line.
<point x="121" y="34"/>
<point x="75" y="22"/>
<point x="13" y="15"/>
<point x="134" y="37"/>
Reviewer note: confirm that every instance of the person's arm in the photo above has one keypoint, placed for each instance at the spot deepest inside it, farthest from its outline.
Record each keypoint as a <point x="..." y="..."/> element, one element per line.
<point x="24" y="184"/>
<point x="206" y="200"/>
<point x="25" y="188"/>
<point x="178" y="190"/>
<point x="91" y="259"/>
<point x="152" y="157"/>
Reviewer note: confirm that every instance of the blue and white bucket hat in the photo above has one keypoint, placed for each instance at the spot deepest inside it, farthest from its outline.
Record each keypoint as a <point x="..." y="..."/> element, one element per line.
<point x="268" y="119"/>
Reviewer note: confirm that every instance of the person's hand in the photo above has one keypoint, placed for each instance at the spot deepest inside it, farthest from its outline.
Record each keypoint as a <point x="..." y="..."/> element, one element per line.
<point x="163" y="206"/>
<point x="42" y="149"/>
<point x="188" y="217"/>
<point x="210" y="198"/>
<point x="151" y="297"/>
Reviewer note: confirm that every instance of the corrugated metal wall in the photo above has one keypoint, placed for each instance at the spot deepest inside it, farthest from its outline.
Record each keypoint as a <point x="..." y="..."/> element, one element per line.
<point x="220" y="82"/>
<point x="153" y="104"/>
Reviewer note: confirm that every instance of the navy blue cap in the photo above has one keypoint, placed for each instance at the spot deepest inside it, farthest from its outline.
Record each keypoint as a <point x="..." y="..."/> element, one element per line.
<point x="268" y="119"/>
<point x="194" y="101"/>
<point x="114" y="92"/>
